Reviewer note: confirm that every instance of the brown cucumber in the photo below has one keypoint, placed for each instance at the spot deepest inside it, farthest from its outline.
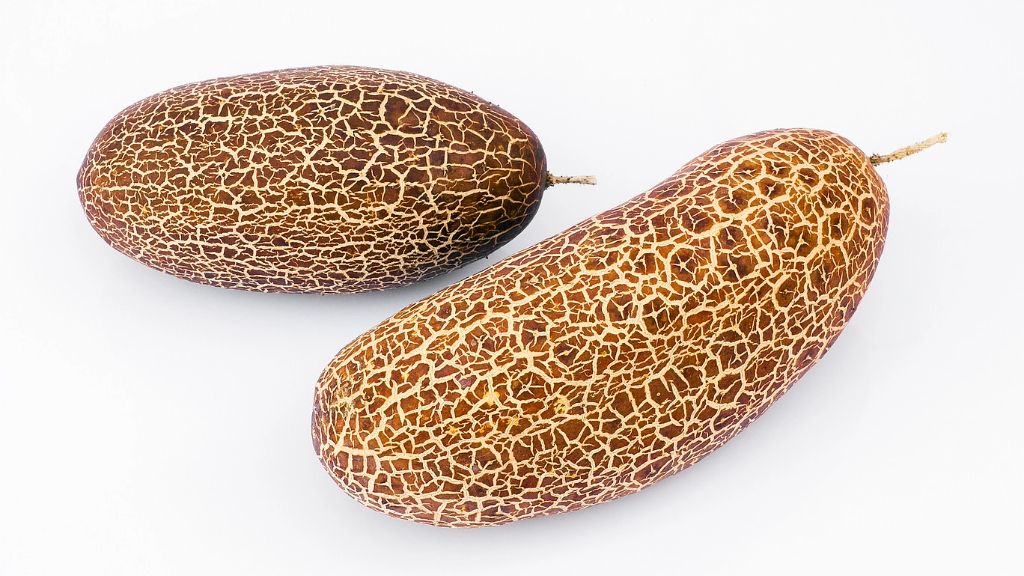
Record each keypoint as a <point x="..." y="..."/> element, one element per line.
<point x="329" y="179"/>
<point x="616" y="353"/>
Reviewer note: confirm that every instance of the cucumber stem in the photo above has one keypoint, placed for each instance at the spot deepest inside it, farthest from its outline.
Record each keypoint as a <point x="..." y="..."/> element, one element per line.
<point x="588" y="180"/>
<point x="877" y="159"/>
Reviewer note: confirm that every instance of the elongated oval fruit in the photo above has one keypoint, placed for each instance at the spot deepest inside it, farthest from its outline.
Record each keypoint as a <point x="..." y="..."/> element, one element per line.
<point x="330" y="179"/>
<point x="616" y="353"/>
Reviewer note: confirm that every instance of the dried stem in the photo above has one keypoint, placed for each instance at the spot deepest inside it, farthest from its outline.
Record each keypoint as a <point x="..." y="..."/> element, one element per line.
<point x="877" y="159"/>
<point x="588" y="180"/>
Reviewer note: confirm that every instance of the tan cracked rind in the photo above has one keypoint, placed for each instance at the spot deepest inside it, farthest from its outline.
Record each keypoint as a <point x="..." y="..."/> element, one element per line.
<point x="616" y="353"/>
<point x="329" y="179"/>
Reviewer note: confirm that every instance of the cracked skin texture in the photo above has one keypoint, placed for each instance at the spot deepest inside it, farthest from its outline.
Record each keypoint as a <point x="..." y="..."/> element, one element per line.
<point x="329" y="179"/>
<point x="616" y="353"/>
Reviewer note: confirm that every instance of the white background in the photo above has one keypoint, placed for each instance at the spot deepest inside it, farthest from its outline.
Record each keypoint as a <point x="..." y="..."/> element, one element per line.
<point x="153" y="426"/>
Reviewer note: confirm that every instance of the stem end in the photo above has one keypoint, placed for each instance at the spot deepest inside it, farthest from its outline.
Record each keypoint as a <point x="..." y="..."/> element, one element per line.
<point x="586" y="180"/>
<point x="877" y="159"/>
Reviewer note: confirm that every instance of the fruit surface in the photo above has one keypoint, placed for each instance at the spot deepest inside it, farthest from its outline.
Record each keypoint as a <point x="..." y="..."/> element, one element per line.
<point x="616" y="353"/>
<point x="330" y="179"/>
